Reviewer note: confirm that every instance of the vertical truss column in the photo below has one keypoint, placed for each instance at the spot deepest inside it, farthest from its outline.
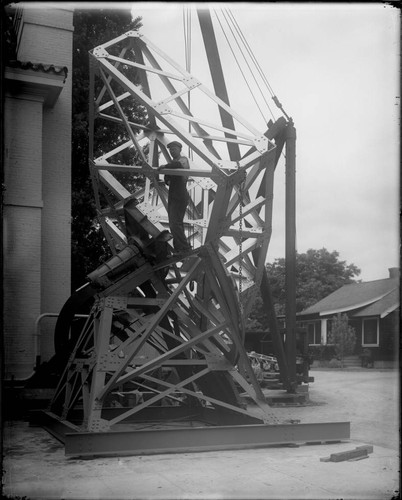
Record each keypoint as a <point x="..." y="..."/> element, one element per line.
<point x="290" y="267"/>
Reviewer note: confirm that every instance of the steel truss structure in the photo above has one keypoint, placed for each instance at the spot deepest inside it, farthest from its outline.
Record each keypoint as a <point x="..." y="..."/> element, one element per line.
<point x="164" y="341"/>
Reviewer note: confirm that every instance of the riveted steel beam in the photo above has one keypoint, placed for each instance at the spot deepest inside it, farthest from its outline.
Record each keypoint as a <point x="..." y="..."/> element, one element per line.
<point x="192" y="439"/>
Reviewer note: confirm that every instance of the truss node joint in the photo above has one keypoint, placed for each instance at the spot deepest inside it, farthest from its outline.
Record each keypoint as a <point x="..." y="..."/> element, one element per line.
<point x="162" y="109"/>
<point x="115" y="302"/>
<point x="99" y="425"/>
<point x="191" y="82"/>
<point x="99" y="52"/>
<point x="261" y="144"/>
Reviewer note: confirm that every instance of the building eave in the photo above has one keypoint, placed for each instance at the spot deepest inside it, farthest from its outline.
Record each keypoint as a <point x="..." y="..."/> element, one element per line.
<point x="351" y="307"/>
<point x="389" y="310"/>
<point x="30" y="80"/>
<point x="38" y="67"/>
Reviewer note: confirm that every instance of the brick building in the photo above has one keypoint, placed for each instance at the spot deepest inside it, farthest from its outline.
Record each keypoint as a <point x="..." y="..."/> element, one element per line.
<point x="37" y="187"/>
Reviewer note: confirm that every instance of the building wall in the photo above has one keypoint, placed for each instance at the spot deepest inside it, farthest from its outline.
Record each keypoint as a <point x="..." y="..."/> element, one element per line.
<point x="389" y="332"/>
<point x="37" y="202"/>
<point x="56" y="181"/>
<point x="46" y="35"/>
<point x="387" y="349"/>
<point x="389" y="337"/>
<point x="22" y="229"/>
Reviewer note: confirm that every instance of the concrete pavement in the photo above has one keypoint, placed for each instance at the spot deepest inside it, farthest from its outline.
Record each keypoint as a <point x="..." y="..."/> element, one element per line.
<point x="36" y="468"/>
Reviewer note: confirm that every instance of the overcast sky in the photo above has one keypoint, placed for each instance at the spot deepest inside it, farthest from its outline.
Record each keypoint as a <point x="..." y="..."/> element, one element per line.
<point x="335" y="69"/>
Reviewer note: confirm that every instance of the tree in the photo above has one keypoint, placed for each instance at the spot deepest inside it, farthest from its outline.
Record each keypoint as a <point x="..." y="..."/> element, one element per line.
<point x="342" y="336"/>
<point x="318" y="273"/>
<point x="91" y="28"/>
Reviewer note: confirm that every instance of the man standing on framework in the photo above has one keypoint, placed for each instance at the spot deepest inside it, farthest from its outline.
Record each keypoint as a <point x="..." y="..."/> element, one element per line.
<point x="178" y="198"/>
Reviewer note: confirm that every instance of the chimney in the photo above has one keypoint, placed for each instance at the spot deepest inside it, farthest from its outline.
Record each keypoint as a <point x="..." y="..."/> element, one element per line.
<point x="394" y="272"/>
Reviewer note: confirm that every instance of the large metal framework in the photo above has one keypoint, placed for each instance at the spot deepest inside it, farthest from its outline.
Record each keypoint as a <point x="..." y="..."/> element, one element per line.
<point x="165" y="337"/>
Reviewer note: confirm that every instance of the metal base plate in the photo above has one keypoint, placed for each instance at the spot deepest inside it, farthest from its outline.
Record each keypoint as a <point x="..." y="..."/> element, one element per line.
<point x="189" y="439"/>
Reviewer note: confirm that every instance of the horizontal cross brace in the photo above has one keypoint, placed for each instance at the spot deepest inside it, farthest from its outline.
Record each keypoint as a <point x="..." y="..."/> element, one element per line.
<point x="113" y="167"/>
<point x="146" y="68"/>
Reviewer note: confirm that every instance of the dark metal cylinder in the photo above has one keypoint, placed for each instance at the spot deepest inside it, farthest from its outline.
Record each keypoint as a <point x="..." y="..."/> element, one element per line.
<point x="290" y="267"/>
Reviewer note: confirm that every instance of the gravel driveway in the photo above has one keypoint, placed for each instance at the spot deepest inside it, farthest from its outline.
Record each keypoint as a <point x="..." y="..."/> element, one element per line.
<point x="367" y="398"/>
<point x="35" y="466"/>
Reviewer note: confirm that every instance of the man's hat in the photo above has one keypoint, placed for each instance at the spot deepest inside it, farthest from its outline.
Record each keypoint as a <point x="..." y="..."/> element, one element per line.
<point x="174" y="143"/>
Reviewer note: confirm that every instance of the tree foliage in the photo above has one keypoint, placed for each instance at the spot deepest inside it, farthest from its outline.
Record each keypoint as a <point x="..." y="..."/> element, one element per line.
<point x="342" y="336"/>
<point x="318" y="273"/>
<point x="91" y="28"/>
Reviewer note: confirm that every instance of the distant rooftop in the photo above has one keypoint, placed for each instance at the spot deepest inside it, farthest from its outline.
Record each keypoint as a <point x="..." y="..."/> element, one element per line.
<point x="375" y="296"/>
<point x="381" y="307"/>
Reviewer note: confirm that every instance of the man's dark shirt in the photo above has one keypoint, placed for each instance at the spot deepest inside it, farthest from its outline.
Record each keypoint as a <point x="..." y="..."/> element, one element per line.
<point x="177" y="183"/>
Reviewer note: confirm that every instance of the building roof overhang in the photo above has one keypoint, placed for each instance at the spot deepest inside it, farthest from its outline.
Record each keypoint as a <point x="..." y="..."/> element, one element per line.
<point x="344" y="309"/>
<point x="391" y="309"/>
<point x="43" y="81"/>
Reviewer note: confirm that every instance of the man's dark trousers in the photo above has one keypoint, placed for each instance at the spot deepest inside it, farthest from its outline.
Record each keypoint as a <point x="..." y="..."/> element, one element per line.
<point x="176" y="211"/>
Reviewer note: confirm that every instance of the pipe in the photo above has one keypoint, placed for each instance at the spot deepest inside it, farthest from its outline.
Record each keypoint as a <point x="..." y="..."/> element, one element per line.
<point x="37" y="337"/>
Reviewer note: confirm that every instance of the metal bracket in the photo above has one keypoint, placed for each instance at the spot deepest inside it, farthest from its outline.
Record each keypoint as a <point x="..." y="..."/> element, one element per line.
<point x="191" y="82"/>
<point x="100" y="52"/>
<point x="134" y="34"/>
<point x="163" y="109"/>
<point x="109" y="362"/>
<point x="261" y="143"/>
<point x="116" y="302"/>
<point x="99" y="425"/>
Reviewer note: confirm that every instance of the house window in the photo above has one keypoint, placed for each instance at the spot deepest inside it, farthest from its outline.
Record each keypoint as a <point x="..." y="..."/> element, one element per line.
<point x="313" y="332"/>
<point x="370" y="332"/>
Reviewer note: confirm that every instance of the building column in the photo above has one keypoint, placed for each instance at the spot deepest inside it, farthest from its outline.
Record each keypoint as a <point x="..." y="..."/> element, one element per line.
<point x="22" y="231"/>
<point x="324" y="334"/>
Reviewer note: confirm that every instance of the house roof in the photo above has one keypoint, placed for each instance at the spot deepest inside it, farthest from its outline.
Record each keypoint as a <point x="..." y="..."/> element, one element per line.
<point x="40" y="67"/>
<point x="381" y="307"/>
<point x="357" y="296"/>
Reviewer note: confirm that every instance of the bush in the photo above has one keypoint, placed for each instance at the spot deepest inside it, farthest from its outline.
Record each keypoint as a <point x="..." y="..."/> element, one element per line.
<point x="343" y="336"/>
<point x="335" y="363"/>
<point x="322" y="352"/>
